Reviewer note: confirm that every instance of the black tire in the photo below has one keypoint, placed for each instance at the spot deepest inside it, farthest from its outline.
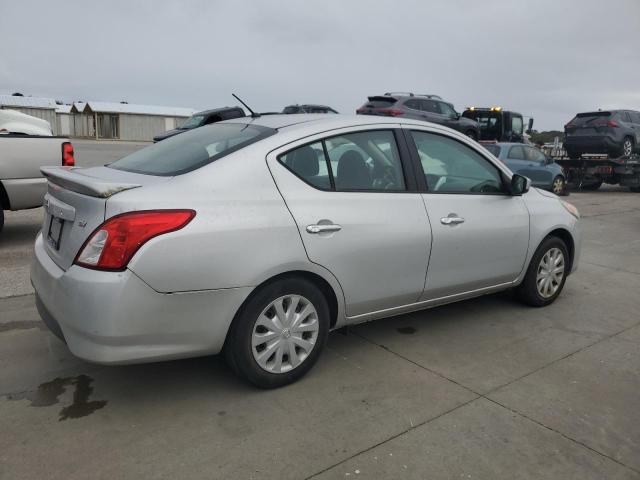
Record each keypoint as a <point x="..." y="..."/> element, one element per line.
<point x="559" y="185"/>
<point x="573" y="155"/>
<point x="238" y="348"/>
<point x="1" y="217"/>
<point x="471" y="134"/>
<point x="527" y="291"/>
<point x="635" y="189"/>
<point x="592" y="186"/>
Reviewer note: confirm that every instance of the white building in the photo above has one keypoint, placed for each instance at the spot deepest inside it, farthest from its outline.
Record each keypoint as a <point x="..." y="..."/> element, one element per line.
<point x="125" y="121"/>
<point x="44" y="108"/>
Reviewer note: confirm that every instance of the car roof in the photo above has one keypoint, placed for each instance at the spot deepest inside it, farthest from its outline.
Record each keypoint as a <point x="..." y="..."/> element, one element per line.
<point x="320" y="120"/>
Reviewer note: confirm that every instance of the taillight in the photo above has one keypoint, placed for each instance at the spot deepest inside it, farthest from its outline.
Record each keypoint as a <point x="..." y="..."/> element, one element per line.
<point x="612" y="123"/>
<point x="68" y="159"/>
<point x="112" y="244"/>
<point x="392" y="112"/>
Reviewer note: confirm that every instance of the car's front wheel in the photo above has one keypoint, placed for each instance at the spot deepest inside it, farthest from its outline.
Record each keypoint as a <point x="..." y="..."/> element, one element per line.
<point x="546" y="274"/>
<point x="559" y="185"/>
<point x="279" y="333"/>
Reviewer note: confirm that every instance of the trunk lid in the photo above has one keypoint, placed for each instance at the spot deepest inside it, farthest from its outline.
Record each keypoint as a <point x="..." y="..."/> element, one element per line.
<point x="75" y="205"/>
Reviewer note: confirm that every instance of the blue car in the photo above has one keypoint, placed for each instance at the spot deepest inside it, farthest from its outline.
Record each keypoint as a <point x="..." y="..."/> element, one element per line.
<point x="532" y="163"/>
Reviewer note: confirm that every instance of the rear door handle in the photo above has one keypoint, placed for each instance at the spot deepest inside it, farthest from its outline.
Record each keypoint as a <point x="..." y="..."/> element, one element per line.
<point x="451" y="220"/>
<point x="332" y="227"/>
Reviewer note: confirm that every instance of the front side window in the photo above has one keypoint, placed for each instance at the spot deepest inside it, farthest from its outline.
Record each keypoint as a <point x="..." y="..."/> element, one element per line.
<point x="429" y="106"/>
<point x="452" y="167"/>
<point x="447" y="110"/>
<point x="362" y="161"/>
<point x="516" y="125"/>
<point x="193" y="149"/>
<point x="535" y="155"/>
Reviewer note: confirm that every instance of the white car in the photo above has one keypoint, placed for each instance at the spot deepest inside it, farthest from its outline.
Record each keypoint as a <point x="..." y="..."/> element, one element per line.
<point x="256" y="236"/>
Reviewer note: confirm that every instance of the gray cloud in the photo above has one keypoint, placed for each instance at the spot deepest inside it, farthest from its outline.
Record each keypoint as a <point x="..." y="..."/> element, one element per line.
<point x="544" y="58"/>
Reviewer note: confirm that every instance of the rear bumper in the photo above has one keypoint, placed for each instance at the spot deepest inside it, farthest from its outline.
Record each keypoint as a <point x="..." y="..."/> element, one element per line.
<point x="591" y="144"/>
<point x="115" y="317"/>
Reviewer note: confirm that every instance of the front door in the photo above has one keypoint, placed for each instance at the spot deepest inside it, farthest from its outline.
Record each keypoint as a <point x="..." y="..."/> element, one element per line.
<point x="480" y="233"/>
<point x="356" y="215"/>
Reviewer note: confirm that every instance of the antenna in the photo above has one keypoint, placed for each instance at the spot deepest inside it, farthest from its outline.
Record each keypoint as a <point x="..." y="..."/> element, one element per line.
<point x="253" y="114"/>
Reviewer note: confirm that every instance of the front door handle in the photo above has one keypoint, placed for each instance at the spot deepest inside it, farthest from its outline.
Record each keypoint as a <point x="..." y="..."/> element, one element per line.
<point x="326" y="228"/>
<point x="452" y="219"/>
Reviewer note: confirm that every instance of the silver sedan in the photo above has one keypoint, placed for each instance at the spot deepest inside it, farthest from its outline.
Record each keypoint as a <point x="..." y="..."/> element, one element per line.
<point x="257" y="236"/>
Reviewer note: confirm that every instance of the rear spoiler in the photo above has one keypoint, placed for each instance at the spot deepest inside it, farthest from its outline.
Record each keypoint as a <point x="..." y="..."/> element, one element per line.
<point x="74" y="180"/>
<point x="384" y="98"/>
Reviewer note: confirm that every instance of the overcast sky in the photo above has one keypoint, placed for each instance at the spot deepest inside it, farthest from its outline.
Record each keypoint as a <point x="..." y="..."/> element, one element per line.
<point x="545" y="58"/>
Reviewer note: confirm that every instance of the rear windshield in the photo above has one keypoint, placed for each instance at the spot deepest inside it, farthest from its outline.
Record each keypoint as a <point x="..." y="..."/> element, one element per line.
<point x="380" y="102"/>
<point x="494" y="149"/>
<point x="193" y="122"/>
<point x="584" y="119"/>
<point x="191" y="150"/>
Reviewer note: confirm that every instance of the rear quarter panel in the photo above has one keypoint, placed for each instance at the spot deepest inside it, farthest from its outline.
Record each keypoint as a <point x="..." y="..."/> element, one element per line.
<point x="241" y="236"/>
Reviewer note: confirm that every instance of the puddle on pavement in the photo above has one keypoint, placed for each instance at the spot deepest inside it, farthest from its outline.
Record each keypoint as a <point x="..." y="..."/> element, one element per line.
<point x="48" y="394"/>
<point x="406" y="330"/>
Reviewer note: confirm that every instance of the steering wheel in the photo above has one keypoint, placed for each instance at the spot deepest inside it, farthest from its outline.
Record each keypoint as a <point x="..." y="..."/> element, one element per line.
<point x="485" y="187"/>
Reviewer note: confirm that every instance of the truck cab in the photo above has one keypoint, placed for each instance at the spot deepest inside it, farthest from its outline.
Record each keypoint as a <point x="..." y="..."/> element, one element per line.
<point x="498" y="125"/>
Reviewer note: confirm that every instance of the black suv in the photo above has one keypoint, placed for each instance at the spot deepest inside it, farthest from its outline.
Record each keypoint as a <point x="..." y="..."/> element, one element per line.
<point x="614" y="132"/>
<point x="308" y="108"/>
<point x="430" y="108"/>
<point x="203" y="118"/>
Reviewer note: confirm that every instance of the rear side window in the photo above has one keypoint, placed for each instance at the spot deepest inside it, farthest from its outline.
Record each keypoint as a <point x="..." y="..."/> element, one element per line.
<point x="452" y="167"/>
<point x="362" y="161"/>
<point x="430" y="106"/>
<point x="191" y="150"/>
<point x="309" y="163"/>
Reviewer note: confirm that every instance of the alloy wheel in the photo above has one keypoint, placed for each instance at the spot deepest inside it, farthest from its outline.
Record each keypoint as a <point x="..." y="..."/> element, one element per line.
<point x="558" y="186"/>
<point x="550" y="273"/>
<point x="627" y="148"/>
<point x="285" y="333"/>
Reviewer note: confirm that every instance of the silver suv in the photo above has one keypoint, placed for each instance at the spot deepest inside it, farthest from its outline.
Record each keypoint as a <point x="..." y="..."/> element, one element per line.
<point x="430" y="108"/>
<point x="256" y="236"/>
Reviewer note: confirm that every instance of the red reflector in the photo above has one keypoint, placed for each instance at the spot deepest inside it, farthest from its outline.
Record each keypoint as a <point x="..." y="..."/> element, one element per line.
<point x="612" y="123"/>
<point x="68" y="160"/>
<point x="112" y="244"/>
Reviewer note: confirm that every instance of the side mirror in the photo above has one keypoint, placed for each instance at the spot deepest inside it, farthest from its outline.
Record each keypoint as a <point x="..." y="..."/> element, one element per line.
<point x="530" y="126"/>
<point x="549" y="160"/>
<point x="519" y="185"/>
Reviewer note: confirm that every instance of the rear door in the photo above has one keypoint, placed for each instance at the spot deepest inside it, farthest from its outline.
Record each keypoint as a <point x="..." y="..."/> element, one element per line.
<point x="480" y="233"/>
<point x="358" y="214"/>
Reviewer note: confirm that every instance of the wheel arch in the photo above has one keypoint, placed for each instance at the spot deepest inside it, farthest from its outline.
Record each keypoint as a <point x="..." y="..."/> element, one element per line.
<point x="564" y="235"/>
<point x="5" y="204"/>
<point x="329" y="288"/>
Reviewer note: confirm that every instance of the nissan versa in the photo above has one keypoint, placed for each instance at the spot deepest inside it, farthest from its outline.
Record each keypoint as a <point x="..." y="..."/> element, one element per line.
<point x="256" y="236"/>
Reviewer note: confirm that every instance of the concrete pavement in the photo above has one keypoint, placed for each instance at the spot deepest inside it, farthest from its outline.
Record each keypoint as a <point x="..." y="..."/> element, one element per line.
<point x="486" y="389"/>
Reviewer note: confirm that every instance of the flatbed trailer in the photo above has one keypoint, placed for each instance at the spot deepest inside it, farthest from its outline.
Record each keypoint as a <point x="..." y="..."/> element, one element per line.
<point x="590" y="171"/>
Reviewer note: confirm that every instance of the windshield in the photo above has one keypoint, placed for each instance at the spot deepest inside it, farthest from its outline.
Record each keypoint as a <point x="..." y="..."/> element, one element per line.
<point x="192" y="122"/>
<point x="191" y="150"/>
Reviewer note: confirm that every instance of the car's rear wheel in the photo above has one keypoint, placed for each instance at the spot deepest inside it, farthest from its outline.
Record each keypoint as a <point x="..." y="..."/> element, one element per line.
<point x="1" y="216"/>
<point x="627" y="147"/>
<point x="559" y="185"/>
<point x="279" y="333"/>
<point x="546" y="274"/>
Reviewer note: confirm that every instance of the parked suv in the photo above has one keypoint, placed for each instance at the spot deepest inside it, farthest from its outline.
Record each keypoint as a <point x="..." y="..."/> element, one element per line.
<point x="203" y="118"/>
<point x="308" y="108"/>
<point x="430" y="108"/>
<point x="614" y="132"/>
